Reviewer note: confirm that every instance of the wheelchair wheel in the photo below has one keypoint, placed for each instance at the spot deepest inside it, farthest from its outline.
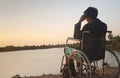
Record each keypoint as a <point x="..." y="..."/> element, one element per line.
<point x="64" y="69"/>
<point x="108" y="67"/>
<point x="79" y="65"/>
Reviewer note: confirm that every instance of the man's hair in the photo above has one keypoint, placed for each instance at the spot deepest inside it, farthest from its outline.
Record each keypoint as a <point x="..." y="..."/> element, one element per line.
<point x="91" y="12"/>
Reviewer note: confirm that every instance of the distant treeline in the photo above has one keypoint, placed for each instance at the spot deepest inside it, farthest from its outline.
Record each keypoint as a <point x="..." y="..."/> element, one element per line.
<point x="17" y="48"/>
<point x="113" y="43"/>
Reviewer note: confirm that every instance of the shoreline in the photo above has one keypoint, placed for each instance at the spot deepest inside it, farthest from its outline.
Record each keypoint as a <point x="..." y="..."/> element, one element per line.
<point x="15" y="48"/>
<point x="42" y="76"/>
<point x="35" y="47"/>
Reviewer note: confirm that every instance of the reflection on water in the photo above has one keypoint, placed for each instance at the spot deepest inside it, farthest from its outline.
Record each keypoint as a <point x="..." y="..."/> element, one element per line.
<point x="30" y="62"/>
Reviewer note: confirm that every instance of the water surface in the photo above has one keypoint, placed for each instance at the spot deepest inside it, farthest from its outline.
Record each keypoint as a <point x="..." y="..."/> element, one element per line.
<point x="30" y="62"/>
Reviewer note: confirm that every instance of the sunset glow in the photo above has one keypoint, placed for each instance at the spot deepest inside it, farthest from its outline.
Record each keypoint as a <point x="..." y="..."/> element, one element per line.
<point x="36" y="22"/>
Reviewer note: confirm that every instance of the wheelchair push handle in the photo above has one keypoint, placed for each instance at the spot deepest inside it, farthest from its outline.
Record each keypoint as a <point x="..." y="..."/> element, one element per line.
<point x="109" y="32"/>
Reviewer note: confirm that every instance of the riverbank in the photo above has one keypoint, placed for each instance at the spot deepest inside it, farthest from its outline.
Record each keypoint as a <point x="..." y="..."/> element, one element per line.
<point x="58" y="76"/>
<point x="42" y="76"/>
<point x="110" y="72"/>
<point x="19" y="48"/>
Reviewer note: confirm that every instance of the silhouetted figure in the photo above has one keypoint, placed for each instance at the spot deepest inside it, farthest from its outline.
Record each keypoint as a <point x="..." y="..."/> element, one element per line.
<point x="94" y="42"/>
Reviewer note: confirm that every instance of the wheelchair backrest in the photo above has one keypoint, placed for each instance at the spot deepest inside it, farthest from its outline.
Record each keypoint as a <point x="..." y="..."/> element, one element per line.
<point x="93" y="46"/>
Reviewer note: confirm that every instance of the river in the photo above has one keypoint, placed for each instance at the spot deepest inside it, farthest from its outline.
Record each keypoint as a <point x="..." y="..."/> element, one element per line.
<point x="31" y="62"/>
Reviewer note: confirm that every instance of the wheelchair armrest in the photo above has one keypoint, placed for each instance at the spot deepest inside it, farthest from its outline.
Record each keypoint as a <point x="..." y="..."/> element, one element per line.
<point x="71" y="38"/>
<point x="86" y="32"/>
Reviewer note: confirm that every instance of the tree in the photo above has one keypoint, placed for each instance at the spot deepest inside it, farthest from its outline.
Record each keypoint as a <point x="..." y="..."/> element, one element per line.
<point x="115" y="41"/>
<point x="110" y="36"/>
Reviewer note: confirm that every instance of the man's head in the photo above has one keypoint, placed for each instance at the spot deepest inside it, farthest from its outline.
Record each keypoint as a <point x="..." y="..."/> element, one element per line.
<point x="90" y="13"/>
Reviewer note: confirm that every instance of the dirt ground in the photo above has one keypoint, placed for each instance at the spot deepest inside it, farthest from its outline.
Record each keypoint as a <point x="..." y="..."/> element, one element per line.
<point x="109" y="72"/>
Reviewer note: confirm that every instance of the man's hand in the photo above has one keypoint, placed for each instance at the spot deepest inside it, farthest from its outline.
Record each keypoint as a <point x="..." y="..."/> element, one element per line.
<point x="82" y="18"/>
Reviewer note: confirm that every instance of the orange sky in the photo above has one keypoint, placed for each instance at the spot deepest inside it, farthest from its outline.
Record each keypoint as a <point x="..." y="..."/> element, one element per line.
<point x="36" y="22"/>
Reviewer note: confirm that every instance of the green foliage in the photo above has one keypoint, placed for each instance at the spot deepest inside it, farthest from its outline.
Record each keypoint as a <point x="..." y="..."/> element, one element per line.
<point x="115" y="41"/>
<point x="110" y="36"/>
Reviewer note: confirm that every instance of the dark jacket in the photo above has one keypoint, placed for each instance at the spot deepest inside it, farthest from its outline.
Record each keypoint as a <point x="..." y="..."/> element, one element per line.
<point x="96" y="27"/>
<point x="93" y="44"/>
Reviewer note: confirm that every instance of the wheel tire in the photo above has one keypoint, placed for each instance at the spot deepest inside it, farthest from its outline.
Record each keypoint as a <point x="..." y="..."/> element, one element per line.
<point x="65" y="73"/>
<point x="110" y="66"/>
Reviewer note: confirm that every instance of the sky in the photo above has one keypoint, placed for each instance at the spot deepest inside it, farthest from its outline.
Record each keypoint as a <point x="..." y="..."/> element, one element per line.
<point x="37" y="22"/>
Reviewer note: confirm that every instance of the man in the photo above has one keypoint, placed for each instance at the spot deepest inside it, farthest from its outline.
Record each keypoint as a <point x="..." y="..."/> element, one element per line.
<point x="94" y="43"/>
<point x="94" y="25"/>
<point x="95" y="47"/>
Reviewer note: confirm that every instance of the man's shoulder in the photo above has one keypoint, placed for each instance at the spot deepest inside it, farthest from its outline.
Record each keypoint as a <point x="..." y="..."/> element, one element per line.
<point x="103" y="24"/>
<point x="97" y="22"/>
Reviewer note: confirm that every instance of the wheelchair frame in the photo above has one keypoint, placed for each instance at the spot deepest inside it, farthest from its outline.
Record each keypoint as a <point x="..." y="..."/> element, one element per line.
<point x="85" y="69"/>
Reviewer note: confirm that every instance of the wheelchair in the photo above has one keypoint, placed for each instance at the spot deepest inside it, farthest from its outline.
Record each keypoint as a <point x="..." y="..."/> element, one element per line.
<point x="86" y="63"/>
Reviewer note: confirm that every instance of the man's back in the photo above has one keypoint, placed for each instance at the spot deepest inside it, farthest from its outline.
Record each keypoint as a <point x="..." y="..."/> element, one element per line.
<point x="93" y="43"/>
<point x="96" y="27"/>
